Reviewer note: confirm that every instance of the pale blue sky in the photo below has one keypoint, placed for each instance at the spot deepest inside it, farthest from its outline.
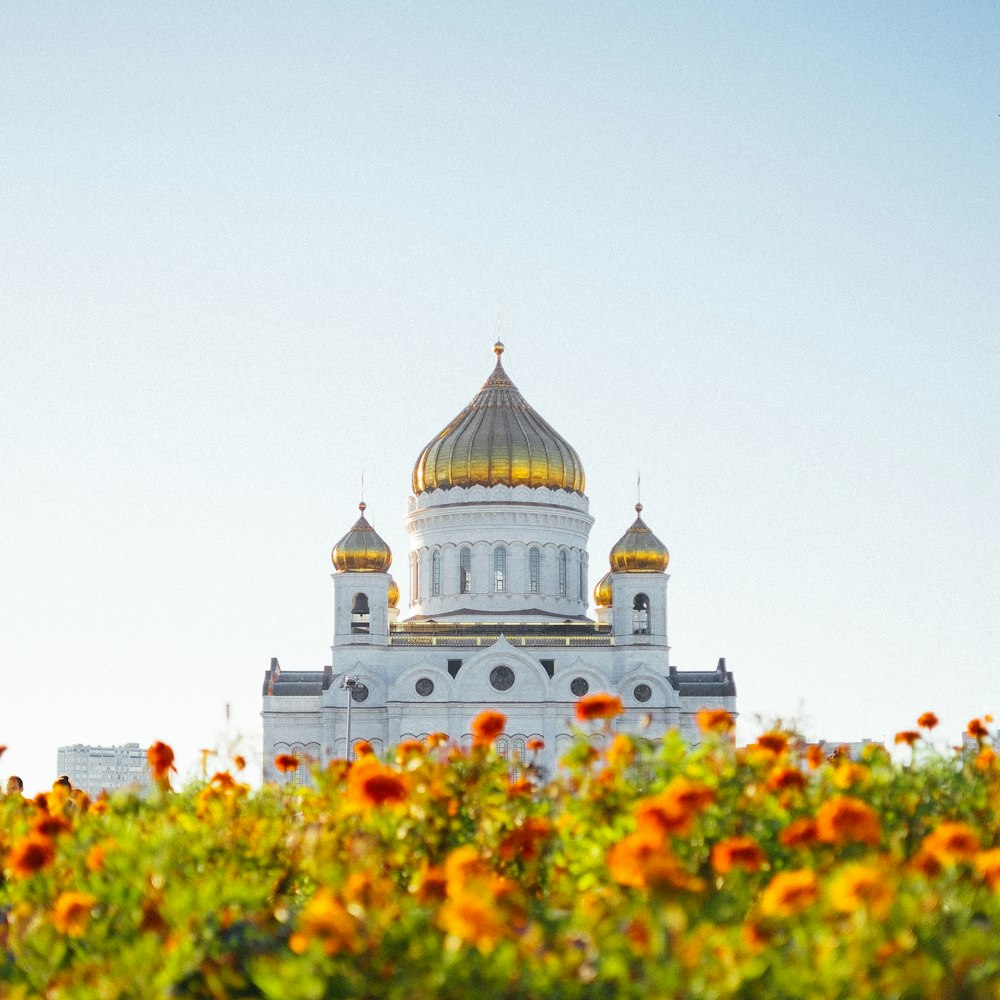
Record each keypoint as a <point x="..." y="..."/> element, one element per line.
<point x="247" y="250"/>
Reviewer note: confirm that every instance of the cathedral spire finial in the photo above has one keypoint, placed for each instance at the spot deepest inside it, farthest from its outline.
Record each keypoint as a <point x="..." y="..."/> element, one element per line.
<point x="498" y="345"/>
<point x="638" y="492"/>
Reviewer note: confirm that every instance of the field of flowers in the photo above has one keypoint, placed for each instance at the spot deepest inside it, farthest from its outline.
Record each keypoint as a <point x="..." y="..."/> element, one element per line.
<point x="640" y="872"/>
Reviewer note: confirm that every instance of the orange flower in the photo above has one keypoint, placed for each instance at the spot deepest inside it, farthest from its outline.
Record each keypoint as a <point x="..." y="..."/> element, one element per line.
<point x="470" y="917"/>
<point x="72" y="912"/>
<point x="224" y="780"/>
<point x="861" y="885"/>
<point x="621" y="752"/>
<point x="161" y="759"/>
<point x="928" y="720"/>
<point x="789" y="893"/>
<point x="31" y="854"/>
<point x="844" y="819"/>
<point x="800" y="832"/>
<point x="815" y="755"/>
<point x="907" y="736"/>
<point x="286" y="762"/>
<point x="535" y="744"/>
<point x="325" y="919"/>
<point x="952" y="842"/>
<point x="374" y="785"/>
<point x="51" y="826"/>
<point x="737" y="852"/>
<point x="775" y="741"/>
<point x="363" y="749"/>
<point x="487" y="726"/>
<point x="523" y="841"/>
<point x="643" y="861"/>
<point x="239" y="762"/>
<point x="786" y="778"/>
<point x="714" y="720"/>
<point x="985" y="759"/>
<point x="408" y="748"/>
<point x="437" y="740"/>
<point x="977" y="728"/>
<point x="673" y="809"/>
<point x="988" y="865"/>
<point x="598" y="706"/>
<point x="927" y="864"/>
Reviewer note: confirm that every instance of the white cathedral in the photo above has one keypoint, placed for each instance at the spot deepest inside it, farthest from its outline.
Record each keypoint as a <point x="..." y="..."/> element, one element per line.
<point x="498" y="525"/>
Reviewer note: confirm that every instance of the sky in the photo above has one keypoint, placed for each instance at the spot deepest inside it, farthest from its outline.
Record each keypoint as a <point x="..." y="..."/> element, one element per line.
<point x="251" y="251"/>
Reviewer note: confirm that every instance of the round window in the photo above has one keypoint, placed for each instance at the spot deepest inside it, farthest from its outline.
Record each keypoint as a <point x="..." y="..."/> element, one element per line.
<point x="359" y="692"/>
<point x="425" y="686"/>
<point x="579" y="687"/>
<point x="502" y="678"/>
<point x="642" y="692"/>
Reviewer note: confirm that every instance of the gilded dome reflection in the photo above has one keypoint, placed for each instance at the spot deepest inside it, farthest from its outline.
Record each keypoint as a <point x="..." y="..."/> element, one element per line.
<point x="362" y="549"/>
<point x="498" y="439"/>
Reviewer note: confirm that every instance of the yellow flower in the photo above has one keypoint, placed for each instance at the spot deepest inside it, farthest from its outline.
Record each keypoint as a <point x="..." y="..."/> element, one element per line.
<point x="861" y="885"/>
<point x="952" y="842"/>
<point x="72" y="912"/>
<point x="988" y="865"/>
<point x="789" y="893"/>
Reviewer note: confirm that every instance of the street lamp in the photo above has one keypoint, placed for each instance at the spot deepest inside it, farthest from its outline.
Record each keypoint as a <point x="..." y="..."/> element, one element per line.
<point x="349" y="684"/>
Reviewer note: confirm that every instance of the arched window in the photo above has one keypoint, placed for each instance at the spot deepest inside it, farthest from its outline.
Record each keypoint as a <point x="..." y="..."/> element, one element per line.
<point x="360" y="614"/>
<point x="414" y="577"/>
<point x="503" y="748"/>
<point x="640" y="615"/>
<point x="562" y="574"/>
<point x="436" y="574"/>
<point x="583" y="579"/>
<point x="534" y="571"/>
<point x="517" y="746"/>
<point x="499" y="569"/>
<point x="465" y="571"/>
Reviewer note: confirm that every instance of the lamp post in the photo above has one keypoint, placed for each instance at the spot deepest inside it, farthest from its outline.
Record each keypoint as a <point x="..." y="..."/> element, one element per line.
<point x="349" y="684"/>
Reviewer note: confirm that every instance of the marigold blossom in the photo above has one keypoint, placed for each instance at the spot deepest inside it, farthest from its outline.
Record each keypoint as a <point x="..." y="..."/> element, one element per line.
<point x="988" y="865"/>
<point x="644" y="861"/>
<point x="71" y="912"/>
<point x="715" y="720"/>
<point x="374" y="785"/>
<point x="952" y="842"/>
<point x="31" y="854"/>
<point x="598" y="706"/>
<point x="977" y="729"/>
<point x="535" y="744"/>
<point x="907" y="736"/>
<point x="775" y="741"/>
<point x="286" y="762"/>
<point x="789" y="893"/>
<point x="487" y="726"/>
<point x="928" y="720"/>
<point x="160" y="757"/>
<point x="737" y="852"/>
<point x="844" y="819"/>
<point x="800" y="832"/>
<point x="861" y="886"/>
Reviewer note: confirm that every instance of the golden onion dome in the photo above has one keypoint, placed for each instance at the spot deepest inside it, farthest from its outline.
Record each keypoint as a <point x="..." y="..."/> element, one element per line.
<point x="498" y="440"/>
<point x="362" y="549"/>
<point x="393" y="593"/>
<point x="639" y="550"/>
<point x="602" y="592"/>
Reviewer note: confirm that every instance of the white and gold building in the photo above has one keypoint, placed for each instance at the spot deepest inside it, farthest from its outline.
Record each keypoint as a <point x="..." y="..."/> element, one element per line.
<point x="498" y="598"/>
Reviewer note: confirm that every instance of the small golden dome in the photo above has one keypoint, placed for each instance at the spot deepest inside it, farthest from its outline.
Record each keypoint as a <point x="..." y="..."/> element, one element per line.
<point x="639" y="550"/>
<point x="602" y="592"/>
<point x="361" y="550"/>
<point x="393" y="593"/>
<point x="498" y="440"/>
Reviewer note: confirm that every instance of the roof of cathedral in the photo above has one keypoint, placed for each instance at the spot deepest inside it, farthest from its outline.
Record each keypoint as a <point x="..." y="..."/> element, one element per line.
<point x="639" y="550"/>
<point x="362" y="549"/>
<point x="602" y="592"/>
<point x="498" y="440"/>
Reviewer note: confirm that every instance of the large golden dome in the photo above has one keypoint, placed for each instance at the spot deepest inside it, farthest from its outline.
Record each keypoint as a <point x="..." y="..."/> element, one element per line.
<point x="639" y="550"/>
<point x="362" y="549"/>
<point x="498" y="440"/>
